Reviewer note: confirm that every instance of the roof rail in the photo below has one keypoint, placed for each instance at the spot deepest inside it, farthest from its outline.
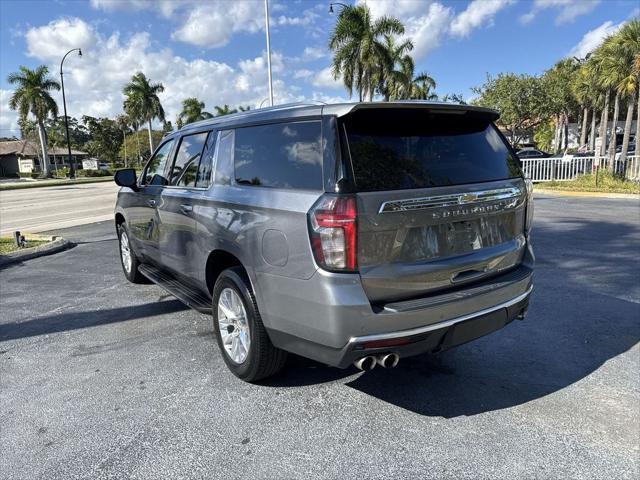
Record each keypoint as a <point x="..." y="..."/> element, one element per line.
<point x="274" y="108"/>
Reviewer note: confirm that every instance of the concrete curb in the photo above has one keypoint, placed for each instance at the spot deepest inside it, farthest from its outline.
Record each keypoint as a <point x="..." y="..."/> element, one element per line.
<point x="58" y="244"/>
<point x="572" y="193"/>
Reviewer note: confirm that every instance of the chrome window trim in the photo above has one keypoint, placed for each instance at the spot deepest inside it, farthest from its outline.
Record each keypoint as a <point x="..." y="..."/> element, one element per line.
<point x="439" y="325"/>
<point x="450" y="200"/>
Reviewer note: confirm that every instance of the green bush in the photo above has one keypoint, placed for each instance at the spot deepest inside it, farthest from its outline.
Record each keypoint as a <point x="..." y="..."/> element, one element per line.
<point x="63" y="172"/>
<point x="96" y="173"/>
<point x="29" y="174"/>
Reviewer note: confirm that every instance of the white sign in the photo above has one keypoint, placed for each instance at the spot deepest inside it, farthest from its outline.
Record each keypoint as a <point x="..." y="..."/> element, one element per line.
<point x="26" y="165"/>
<point x="91" y="164"/>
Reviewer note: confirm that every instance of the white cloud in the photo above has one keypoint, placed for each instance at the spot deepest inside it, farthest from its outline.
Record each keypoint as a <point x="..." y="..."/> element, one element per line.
<point x="94" y="82"/>
<point x="395" y="8"/>
<point x="593" y="38"/>
<point x="211" y="25"/>
<point x="477" y="13"/>
<point x="165" y="7"/>
<point x="8" y="118"/>
<point x="425" y="22"/>
<point x="304" y="73"/>
<point x="313" y="53"/>
<point x="568" y="10"/>
<point x="324" y="78"/>
<point x="52" y="41"/>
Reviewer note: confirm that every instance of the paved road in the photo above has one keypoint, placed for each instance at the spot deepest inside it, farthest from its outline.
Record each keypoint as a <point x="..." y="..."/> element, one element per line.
<point x="36" y="210"/>
<point x="102" y="379"/>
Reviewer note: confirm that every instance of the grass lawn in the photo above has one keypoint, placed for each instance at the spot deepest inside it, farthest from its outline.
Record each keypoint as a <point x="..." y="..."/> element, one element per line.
<point x="8" y="244"/>
<point x="607" y="183"/>
<point x="49" y="183"/>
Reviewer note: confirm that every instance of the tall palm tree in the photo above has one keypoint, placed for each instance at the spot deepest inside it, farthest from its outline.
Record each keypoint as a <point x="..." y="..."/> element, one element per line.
<point x="32" y="96"/>
<point x="628" y="62"/>
<point x="357" y="42"/>
<point x="135" y="119"/>
<point x="143" y="97"/>
<point x="586" y="92"/>
<point x="123" y="123"/>
<point x="224" y="110"/>
<point x="192" y="111"/>
<point x="391" y="79"/>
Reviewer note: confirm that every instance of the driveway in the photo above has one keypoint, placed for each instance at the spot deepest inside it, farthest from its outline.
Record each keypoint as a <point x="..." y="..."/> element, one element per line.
<point x="35" y="210"/>
<point x="103" y="379"/>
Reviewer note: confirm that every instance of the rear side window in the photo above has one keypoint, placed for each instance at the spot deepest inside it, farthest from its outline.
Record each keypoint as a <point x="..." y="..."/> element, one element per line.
<point x="406" y="149"/>
<point x="282" y="155"/>
<point x="187" y="160"/>
<point x="203" y="179"/>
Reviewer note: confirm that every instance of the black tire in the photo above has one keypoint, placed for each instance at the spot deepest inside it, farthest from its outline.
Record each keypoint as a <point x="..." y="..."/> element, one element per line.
<point x="132" y="274"/>
<point x="263" y="359"/>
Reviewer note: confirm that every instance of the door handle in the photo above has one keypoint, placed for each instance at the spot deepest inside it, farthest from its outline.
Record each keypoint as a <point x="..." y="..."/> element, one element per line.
<point x="186" y="209"/>
<point x="151" y="203"/>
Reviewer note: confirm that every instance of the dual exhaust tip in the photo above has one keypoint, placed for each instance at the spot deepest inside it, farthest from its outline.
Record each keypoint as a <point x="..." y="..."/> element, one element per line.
<point x="386" y="360"/>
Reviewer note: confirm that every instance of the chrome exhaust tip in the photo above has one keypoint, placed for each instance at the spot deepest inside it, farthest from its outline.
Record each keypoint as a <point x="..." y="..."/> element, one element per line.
<point x="365" y="363"/>
<point x="388" y="360"/>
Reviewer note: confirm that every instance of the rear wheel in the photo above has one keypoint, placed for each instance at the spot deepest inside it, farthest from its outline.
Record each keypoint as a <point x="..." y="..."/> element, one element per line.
<point x="242" y="338"/>
<point x="128" y="258"/>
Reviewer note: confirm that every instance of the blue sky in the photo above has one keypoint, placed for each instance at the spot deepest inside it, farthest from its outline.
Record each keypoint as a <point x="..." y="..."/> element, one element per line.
<point x="215" y="50"/>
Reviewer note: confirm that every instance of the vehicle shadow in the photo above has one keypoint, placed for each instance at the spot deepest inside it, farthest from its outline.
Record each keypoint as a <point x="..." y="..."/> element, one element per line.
<point x="584" y="312"/>
<point x="61" y="322"/>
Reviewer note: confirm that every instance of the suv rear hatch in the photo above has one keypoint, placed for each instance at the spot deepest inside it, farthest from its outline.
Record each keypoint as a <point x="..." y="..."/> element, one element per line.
<point x="441" y="199"/>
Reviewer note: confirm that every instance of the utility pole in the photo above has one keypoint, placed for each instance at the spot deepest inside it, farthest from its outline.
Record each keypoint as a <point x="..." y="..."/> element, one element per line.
<point x="266" y="20"/>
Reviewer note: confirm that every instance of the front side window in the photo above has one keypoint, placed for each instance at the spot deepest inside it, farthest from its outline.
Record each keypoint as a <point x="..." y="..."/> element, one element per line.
<point x="187" y="161"/>
<point x="154" y="173"/>
<point x="282" y="155"/>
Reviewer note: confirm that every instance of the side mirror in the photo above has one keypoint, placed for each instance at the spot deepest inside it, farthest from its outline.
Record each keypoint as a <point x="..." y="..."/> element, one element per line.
<point x="126" y="177"/>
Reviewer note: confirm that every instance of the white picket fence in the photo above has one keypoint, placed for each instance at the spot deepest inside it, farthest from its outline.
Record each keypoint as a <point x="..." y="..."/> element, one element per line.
<point x="568" y="168"/>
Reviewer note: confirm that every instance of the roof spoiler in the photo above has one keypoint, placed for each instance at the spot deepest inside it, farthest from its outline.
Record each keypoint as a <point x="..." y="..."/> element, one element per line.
<point x="434" y="107"/>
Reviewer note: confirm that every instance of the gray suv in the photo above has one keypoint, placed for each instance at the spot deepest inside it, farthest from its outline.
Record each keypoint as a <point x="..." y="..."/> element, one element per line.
<point x="349" y="234"/>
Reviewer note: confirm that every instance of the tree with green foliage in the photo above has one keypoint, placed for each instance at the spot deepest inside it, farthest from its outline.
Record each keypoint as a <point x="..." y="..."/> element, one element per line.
<point x="224" y="110"/>
<point x="520" y="99"/>
<point x="192" y="111"/>
<point x="32" y="96"/>
<point x="627" y="64"/>
<point x="559" y="99"/>
<point x="358" y="45"/>
<point x="106" y="138"/>
<point x="142" y="99"/>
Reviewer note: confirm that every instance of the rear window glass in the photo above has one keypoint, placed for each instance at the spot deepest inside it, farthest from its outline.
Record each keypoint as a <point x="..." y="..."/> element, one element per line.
<point x="406" y="149"/>
<point x="282" y="155"/>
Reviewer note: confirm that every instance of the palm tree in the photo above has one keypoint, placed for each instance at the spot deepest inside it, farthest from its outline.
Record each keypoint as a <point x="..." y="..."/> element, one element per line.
<point x="628" y="63"/>
<point x="586" y="92"/>
<point x="224" y="110"/>
<point x="192" y="111"/>
<point x="143" y="97"/>
<point x="358" y="46"/>
<point x="123" y="123"/>
<point x="132" y="112"/>
<point x="32" y="96"/>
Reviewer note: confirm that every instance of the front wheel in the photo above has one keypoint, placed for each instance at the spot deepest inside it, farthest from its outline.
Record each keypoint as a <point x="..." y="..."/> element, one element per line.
<point x="128" y="258"/>
<point x="242" y="338"/>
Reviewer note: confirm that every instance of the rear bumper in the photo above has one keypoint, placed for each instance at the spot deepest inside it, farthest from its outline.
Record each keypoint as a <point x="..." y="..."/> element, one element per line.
<point x="328" y="318"/>
<point x="428" y="339"/>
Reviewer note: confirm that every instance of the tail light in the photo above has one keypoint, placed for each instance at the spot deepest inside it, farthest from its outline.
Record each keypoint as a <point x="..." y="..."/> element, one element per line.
<point x="332" y="228"/>
<point x="529" y="209"/>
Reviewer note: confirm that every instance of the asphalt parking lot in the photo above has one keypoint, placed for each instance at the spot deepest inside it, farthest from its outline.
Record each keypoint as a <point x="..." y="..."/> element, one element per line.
<point x="102" y="379"/>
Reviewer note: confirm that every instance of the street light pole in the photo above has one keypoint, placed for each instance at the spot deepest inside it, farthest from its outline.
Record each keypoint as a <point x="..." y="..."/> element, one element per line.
<point x="72" y="169"/>
<point x="336" y="3"/>
<point x="266" y="20"/>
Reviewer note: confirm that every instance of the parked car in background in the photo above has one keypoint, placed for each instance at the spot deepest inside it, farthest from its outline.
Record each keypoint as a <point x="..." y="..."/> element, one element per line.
<point x="349" y="234"/>
<point x="526" y="153"/>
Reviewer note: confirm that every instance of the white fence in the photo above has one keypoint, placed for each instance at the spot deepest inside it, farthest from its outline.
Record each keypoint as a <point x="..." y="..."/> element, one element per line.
<point x="568" y="168"/>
